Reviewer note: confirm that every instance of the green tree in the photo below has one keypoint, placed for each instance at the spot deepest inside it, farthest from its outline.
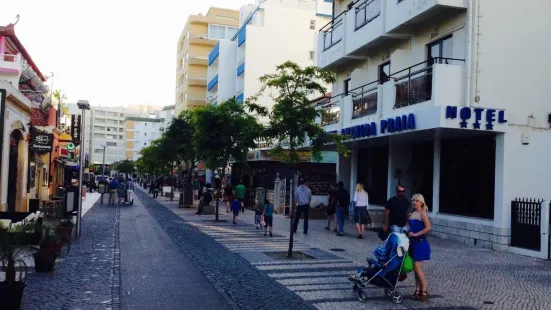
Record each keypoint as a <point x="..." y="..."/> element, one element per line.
<point x="292" y="120"/>
<point x="126" y="166"/>
<point x="224" y="132"/>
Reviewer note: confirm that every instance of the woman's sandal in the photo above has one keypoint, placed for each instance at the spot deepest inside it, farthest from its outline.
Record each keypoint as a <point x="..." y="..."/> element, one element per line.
<point x="423" y="296"/>
<point x="415" y="295"/>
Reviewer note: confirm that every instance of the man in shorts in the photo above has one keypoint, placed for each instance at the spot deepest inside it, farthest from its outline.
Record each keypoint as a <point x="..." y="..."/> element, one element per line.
<point x="240" y="195"/>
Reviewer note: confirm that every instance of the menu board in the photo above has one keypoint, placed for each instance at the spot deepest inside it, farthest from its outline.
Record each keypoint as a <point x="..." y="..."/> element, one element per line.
<point x="318" y="182"/>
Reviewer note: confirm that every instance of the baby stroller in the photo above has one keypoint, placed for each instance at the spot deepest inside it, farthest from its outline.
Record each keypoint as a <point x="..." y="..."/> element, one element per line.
<point x="391" y="264"/>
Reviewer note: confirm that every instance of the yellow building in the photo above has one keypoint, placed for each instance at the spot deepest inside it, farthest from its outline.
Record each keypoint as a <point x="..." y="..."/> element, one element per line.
<point x="199" y="36"/>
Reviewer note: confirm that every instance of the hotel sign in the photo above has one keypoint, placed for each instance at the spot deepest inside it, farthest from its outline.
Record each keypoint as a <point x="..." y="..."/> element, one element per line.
<point x="388" y="125"/>
<point x="478" y="117"/>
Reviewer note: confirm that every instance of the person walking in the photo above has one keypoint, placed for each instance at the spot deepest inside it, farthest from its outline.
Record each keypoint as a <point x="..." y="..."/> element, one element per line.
<point x="235" y="206"/>
<point x="397" y="211"/>
<point x="303" y="196"/>
<point x="361" y="200"/>
<point x="268" y="217"/>
<point x="121" y="190"/>
<point x="258" y="213"/>
<point x="419" y="249"/>
<point x="343" y="200"/>
<point x="240" y="194"/>
<point x="113" y="185"/>
<point x="331" y="205"/>
<point x="228" y="195"/>
<point x="156" y="187"/>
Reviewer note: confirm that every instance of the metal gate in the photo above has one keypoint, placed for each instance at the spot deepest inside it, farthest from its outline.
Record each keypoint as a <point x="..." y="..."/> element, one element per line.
<point x="526" y="223"/>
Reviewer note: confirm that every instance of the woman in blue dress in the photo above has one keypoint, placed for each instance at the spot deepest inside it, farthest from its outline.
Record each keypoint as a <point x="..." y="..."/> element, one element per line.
<point x="419" y="248"/>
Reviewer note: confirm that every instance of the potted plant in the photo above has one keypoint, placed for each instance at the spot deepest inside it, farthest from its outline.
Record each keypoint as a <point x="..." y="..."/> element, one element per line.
<point x="50" y="248"/>
<point x="15" y="246"/>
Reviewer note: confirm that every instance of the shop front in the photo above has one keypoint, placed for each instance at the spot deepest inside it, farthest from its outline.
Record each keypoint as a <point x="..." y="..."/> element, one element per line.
<point x="453" y="156"/>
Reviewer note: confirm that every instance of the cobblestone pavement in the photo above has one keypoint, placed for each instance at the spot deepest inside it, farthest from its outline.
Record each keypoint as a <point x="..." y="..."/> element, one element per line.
<point x="86" y="278"/>
<point x="460" y="276"/>
<point x="243" y="286"/>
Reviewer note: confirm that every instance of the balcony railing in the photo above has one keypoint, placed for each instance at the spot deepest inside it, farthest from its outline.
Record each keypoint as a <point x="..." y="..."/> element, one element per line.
<point x="366" y="11"/>
<point x="333" y="31"/>
<point x="364" y="99"/>
<point x="331" y="111"/>
<point x="414" y="84"/>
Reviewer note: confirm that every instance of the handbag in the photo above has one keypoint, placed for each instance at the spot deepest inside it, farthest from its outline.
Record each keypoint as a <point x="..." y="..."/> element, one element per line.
<point x="407" y="264"/>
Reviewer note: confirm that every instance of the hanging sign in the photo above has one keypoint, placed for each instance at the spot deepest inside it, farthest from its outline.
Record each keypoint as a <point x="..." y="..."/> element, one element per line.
<point x="41" y="142"/>
<point x="75" y="129"/>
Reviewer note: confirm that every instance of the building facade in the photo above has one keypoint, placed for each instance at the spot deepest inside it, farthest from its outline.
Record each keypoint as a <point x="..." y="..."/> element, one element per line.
<point x="200" y="34"/>
<point x="25" y="108"/>
<point x="235" y="65"/>
<point x="167" y="114"/>
<point x="430" y="95"/>
<point x="140" y="132"/>
<point x="107" y="133"/>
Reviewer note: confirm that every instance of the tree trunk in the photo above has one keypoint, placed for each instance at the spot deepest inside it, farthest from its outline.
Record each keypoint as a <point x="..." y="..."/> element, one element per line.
<point x="293" y="203"/>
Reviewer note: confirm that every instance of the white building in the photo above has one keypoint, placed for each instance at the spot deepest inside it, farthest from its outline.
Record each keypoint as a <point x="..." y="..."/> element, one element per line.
<point x="435" y="97"/>
<point x="108" y="129"/>
<point x="167" y="114"/>
<point x="270" y="33"/>
<point x="140" y="132"/>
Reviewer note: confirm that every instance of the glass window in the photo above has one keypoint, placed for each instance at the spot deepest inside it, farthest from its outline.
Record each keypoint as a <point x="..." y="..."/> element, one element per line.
<point x="312" y="24"/>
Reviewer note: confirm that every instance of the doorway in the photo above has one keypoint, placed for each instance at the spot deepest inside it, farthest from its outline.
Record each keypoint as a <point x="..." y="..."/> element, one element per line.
<point x="13" y="179"/>
<point x="422" y="163"/>
<point x="373" y="173"/>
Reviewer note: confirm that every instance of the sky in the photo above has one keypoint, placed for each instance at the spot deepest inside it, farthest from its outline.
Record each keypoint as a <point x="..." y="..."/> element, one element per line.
<point x="111" y="53"/>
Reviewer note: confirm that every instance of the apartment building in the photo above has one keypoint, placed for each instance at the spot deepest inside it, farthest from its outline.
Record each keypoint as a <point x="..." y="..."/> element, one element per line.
<point x="433" y="96"/>
<point x="140" y="132"/>
<point x="167" y="114"/>
<point x="107" y="130"/>
<point x="200" y="34"/>
<point x="270" y="33"/>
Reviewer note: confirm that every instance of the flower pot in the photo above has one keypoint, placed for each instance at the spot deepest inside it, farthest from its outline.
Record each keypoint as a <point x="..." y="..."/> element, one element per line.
<point x="65" y="233"/>
<point x="11" y="295"/>
<point x="44" y="261"/>
<point x="52" y="247"/>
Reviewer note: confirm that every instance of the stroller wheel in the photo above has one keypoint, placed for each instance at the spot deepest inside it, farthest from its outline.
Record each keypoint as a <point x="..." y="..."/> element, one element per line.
<point x="389" y="292"/>
<point x="397" y="298"/>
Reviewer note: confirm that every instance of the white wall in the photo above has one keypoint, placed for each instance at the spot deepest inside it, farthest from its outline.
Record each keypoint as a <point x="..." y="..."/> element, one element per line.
<point x="227" y="70"/>
<point x="277" y="42"/>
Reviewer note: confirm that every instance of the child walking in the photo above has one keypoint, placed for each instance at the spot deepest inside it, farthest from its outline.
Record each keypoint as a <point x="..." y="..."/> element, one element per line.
<point x="235" y="207"/>
<point x="258" y="215"/>
<point x="268" y="217"/>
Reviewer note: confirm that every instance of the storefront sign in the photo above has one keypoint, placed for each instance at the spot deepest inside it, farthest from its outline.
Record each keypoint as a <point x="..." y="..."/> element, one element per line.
<point x="389" y="125"/>
<point x="41" y="142"/>
<point x="466" y="113"/>
<point x="75" y="129"/>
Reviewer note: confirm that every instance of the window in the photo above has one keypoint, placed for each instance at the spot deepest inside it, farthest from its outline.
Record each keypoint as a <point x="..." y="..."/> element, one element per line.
<point x="145" y="124"/>
<point x="221" y="31"/>
<point x="312" y="24"/>
<point x="144" y="144"/>
<point x="111" y="144"/>
<point x="384" y="72"/>
<point x="442" y="48"/>
<point x="145" y="134"/>
<point x="98" y="150"/>
<point x="312" y="55"/>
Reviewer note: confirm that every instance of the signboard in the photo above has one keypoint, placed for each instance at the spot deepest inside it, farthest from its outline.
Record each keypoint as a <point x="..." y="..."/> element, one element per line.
<point x="75" y="129"/>
<point x="41" y="142"/>
<point x="478" y="118"/>
<point x="319" y="182"/>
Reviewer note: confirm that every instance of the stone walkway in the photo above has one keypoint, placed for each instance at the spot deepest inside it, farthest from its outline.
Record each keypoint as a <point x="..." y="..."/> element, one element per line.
<point x="459" y="276"/>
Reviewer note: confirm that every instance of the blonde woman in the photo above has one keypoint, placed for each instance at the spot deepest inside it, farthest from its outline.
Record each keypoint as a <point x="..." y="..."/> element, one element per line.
<point x="419" y="249"/>
<point x="361" y="201"/>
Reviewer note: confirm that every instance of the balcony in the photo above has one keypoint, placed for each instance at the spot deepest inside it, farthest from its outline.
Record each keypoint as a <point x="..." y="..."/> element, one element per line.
<point x="214" y="53"/>
<point x="364" y="100"/>
<point x="198" y="60"/>
<point x="196" y="101"/>
<point x="365" y="25"/>
<point x="10" y="64"/>
<point x="212" y="83"/>
<point x="331" y="117"/>
<point x="202" y="39"/>
<point x="331" y="42"/>
<point x="196" y="81"/>
<point x="402" y="13"/>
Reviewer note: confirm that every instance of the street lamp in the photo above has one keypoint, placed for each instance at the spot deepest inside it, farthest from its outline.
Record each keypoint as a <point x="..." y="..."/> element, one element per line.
<point x="83" y="105"/>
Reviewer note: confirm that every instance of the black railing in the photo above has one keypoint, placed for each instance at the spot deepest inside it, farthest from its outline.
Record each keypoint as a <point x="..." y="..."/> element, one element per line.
<point x="330" y="115"/>
<point x="332" y="32"/>
<point x="367" y="11"/>
<point x="526" y="223"/>
<point x="414" y="84"/>
<point x="364" y="99"/>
